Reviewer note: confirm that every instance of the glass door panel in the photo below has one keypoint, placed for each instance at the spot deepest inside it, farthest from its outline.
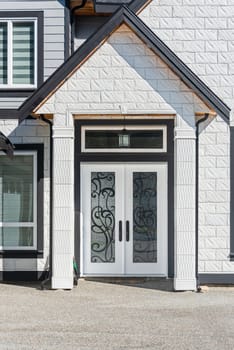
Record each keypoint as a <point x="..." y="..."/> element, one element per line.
<point x="146" y="213"/>
<point x="144" y="217"/>
<point x="102" y="225"/>
<point x="101" y="196"/>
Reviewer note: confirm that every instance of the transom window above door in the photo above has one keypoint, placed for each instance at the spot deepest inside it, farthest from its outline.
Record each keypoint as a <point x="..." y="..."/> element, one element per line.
<point x="18" y="53"/>
<point x="124" y="138"/>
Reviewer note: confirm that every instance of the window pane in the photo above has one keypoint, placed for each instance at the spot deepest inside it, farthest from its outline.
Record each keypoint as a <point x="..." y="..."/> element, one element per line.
<point x="3" y="53"/>
<point x="23" y="53"/>
<point x="135" y="139"/>
<point x="17" y="237"/>
<point x="16" y="189"/>
<point x="146" y="139"/>
<point x="101" y="139"/>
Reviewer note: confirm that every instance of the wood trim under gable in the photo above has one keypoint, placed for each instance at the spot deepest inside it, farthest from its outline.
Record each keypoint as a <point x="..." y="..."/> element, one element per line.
<point x="123" y="117"/>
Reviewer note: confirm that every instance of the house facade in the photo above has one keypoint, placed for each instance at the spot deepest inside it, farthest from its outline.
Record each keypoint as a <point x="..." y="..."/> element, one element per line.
<point x="121" y="116"/>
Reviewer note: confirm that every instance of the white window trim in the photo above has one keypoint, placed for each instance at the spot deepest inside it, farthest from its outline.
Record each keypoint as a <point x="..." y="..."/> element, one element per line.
<point x="124" y="150"/>
<point x="9" y="22"/>
<point x="26" y="224"/>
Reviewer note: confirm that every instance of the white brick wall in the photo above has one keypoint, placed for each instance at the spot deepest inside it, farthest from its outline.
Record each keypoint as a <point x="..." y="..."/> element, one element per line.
<point x="214" y="206"/>
<point x="201" y="33"/>
<point x="143" y="84"/>
<point x="30" y="131"/>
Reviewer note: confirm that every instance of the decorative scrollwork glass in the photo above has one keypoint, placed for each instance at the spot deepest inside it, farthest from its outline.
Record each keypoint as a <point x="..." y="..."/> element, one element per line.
<point x="102" y="217"/>
<point x="144" y="217"/>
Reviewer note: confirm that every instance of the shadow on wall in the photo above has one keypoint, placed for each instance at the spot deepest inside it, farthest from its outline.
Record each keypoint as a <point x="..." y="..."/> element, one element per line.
<point x="163" y="85"/>
<point x="62" y="2"/>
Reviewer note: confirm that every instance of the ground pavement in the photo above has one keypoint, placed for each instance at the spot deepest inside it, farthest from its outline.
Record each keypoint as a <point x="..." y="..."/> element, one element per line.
<point x="106" y="316"/>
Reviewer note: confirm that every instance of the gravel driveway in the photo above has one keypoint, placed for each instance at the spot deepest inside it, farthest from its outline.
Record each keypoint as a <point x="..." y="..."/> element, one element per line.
<point x="107" y="316"/>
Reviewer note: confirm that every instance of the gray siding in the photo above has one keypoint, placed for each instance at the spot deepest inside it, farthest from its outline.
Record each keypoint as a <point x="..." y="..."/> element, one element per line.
<point x="53" y="36"/>
<point x="11" y="102"/>
<point x="85" y="27"/>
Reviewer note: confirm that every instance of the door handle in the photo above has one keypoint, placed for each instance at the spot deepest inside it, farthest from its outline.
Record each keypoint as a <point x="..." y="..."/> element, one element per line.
<point x="127" y="231"/>
<point x="120" y="231"/>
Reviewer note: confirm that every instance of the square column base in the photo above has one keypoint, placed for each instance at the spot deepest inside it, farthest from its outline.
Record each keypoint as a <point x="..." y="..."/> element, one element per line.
<point x="62" y="283"/>
<point x="183" y="285"/>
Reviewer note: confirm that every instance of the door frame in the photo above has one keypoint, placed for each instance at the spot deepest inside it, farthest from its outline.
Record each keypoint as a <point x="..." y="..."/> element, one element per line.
<point x="123" y="265"/>
<point x="124" y="157"/>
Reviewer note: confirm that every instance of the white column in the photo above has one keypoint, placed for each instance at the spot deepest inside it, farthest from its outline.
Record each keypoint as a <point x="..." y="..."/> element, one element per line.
<point x="63" y="203"/>
<point x="185" y="189"/>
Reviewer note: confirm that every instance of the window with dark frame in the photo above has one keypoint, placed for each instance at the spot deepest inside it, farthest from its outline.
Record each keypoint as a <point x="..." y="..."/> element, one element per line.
<point x="21" y="52"/>
<point x="18" y="201"/>
<point x="131" y="139"/>
<point x="24" y="251"/>
<point x="18" y="58"/>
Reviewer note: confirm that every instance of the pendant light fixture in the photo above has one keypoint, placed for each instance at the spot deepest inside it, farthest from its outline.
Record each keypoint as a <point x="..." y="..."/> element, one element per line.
<point x="124" y="137"/>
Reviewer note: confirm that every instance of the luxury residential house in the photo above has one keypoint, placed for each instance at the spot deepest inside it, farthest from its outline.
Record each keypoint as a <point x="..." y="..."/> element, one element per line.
<point x="120" y="114"/>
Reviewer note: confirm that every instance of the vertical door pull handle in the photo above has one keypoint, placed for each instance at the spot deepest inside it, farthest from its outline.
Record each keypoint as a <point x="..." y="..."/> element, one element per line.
<point x="120" y="231"/>
<point x="127" y="231"/>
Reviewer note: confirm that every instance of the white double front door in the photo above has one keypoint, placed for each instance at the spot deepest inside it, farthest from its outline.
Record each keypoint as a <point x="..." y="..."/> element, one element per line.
<point x="124" y="219"/>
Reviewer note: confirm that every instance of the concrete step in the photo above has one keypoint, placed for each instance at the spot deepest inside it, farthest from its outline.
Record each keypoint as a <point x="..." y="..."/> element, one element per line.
<point x="158" y="283"/>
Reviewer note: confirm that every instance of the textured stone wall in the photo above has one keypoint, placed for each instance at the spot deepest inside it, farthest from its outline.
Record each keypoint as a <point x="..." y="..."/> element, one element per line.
<point x="124" y="72"/>
<point x="201" y="33"/>
<point x="214" y="197"/>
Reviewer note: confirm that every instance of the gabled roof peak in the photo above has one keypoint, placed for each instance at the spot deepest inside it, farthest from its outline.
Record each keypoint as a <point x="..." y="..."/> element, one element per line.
<point x="125" y="15"/>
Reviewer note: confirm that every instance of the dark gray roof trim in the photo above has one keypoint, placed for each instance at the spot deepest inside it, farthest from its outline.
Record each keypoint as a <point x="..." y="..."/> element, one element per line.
<point x="7" y="113"/>
<point x="6" y="146"/>
<point x="125" y="15"/>
<point x="110" y="6"/>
